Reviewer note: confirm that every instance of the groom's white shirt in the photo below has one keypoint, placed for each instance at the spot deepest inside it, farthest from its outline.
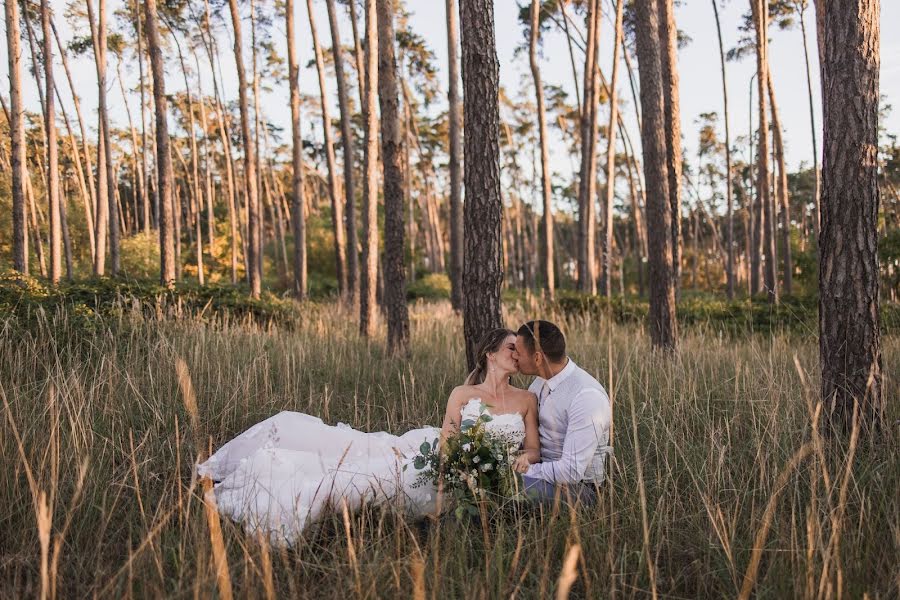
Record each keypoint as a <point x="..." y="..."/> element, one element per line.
<point x="574" y="415"/>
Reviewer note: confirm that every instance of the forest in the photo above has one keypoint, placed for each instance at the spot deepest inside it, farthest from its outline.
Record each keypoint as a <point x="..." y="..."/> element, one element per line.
<point x="212" y="211"/>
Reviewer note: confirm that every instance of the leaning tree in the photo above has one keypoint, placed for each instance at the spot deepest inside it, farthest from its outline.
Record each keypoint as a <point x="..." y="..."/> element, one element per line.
<point x="483" y="209"/>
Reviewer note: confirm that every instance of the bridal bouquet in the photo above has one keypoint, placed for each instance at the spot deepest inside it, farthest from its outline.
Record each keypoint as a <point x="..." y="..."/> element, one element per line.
<point x="474" y="463"/>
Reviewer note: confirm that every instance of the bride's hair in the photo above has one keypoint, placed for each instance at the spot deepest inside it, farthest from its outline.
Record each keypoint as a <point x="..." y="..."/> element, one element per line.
<point x="491" y="342"/>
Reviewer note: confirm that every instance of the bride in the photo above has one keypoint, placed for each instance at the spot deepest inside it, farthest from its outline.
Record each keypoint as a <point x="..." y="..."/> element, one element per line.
<point x="285" y="472"/>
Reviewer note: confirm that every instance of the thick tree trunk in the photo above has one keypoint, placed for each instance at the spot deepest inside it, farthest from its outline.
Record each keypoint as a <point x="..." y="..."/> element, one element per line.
<point x="729" y="265"/>
<point x="849" y="336"/>
<point x="482" y="277"/>
<point x="663" y="326"/>
<point x="253" y="242"/>
<point x="52" y="181"/>
<point x="781" y="187"/>
<point x="764" y="198"/>
<point x="668" y="45"/>
<point x="347" y="143"/>
<point x="546" y="175"/>
<point x="17" y="137"/>
<point x="163" y="162"/>
<point x="103" y="112"/>
<point x="606" y="253"/>
<point x="587" y="181"/>
<point x="457" y="230"/>
<point x="368" y="283"/>
<point x="392" y="148"/>
<point x="337" y="206"/>
<point x="298" y="202"/>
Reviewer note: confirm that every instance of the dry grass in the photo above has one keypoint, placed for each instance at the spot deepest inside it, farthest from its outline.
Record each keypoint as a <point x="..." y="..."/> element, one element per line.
<point x="729" y="487"/>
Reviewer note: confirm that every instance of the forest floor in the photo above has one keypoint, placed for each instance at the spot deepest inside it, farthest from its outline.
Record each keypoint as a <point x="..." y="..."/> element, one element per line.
<point x="719" y="480"/>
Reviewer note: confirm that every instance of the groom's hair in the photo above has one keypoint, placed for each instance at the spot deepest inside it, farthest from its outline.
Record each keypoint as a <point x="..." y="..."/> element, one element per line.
<point x="544" y="336"/>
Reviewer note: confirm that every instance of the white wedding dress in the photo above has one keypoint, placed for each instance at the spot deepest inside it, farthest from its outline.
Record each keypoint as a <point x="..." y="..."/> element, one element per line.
<point x="283" y="473"/>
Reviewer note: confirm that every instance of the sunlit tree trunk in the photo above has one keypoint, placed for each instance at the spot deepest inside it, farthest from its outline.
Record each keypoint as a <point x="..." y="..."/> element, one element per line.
<point x="546" y="175"/>
<point x="663" y="326"/>
<point x="368" y="283"/>
<point x="482" y="276"/>
<point x="668" y="45"/>
<point x="17" y="137"/>
<point x="457" y="233"/>
<point x="337" y="207"/>
<point x="729" y="266"/>
<point x="101" y="216"/>
<point x="761" y="21"/>
<point x="298" y="202"/>
<point x="849" y="335"/>
<point x="253" y="242"/>
<point x="52" y="180"/>
<point x="347" y="143"/>
<point x="587" y="185"/>
<point x="605" y="257"/>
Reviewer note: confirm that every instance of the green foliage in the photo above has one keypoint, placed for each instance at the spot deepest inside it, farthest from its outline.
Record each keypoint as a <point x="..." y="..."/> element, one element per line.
<point x="432" y="286"/>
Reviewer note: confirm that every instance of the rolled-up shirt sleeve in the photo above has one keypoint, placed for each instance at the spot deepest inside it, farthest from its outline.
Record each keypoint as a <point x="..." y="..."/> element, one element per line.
<point x="588" y="418"/>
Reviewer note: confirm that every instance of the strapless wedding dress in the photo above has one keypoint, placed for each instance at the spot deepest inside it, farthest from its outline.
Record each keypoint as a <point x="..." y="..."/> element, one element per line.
<point x="282" y="474"/>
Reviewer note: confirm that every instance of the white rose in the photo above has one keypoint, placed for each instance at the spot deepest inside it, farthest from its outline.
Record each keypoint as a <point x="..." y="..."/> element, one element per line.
<point x="476" y="460"/>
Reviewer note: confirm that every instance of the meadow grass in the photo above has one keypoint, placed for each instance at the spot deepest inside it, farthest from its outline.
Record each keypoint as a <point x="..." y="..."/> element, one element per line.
<point x="719" y="486"/>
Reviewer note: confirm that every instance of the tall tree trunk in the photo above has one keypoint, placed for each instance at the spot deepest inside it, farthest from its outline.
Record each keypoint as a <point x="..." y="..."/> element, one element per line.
<point x="668" y="45"/>
<point x="761" y="22"/>
<point x="163" y="162"/>
<point x="729" y="266"/>
<point x="605" y="257"/>
<point x="801" y="9"/>
<point x="79" y="175"/>
<point x="52" y="181"/>
<point x="482" y="276"/>
<point x="347" y="143"/>
<point x="781" y="187"/>
<point x="254" y="247"/>
<point x="17" y="137"/>
<point x="457" y="232"/>
<point x="849" y="336"/>
<point x="337" y="207"/>
<point x="298" y="202"/>
<point x="663" y="326"/>
<point x="392" y="148"/>
<point x="587" y="174"/>
<point x="111" y="186"/>
<point x="546" y="175"/>
<point x="101" y="217"/>
<point x="145" y="166"/>
<point x="368" y="283"/>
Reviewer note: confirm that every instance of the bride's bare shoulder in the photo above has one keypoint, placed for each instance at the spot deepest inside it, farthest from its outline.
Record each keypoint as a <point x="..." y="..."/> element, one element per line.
<point x="461" y="393"/>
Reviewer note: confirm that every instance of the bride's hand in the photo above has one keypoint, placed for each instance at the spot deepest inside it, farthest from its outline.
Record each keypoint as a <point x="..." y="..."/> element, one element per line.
<point x="521" y="464"/>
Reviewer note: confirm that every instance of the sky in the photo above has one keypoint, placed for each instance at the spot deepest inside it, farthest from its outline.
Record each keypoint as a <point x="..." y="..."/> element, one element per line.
<point x="699" y="70"/>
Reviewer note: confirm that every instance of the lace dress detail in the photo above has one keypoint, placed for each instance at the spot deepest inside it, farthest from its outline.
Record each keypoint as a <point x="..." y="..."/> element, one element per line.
<point x="286" y="472"/>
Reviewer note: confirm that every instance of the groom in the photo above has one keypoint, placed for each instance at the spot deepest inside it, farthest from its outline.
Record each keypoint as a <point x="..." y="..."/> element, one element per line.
<point x="574" y="415"/>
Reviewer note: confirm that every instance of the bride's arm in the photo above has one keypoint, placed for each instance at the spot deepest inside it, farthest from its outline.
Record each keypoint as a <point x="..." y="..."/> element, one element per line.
<point x="532" y="444"/>
<point x="452" y="416"/>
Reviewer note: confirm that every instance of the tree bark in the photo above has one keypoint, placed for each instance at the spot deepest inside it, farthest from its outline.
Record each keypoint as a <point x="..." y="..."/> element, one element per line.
<point x="298" y="217"/>
<point x="337" y="207"/>
<point x="663" y="326"/>
<point x="668" y="34"/>
<point x="347" y="143"/>
<point x="729" y="265"/>
<point x="392" y="148"/>
<point x="368" y="283"/>
<point x="52" y="181"/>
<point x="605" y="257"/>
<point x="103" y="113"/>
<point x="457" y="231"/>
<point x="17" y="137"/>
<point x="253" y="242"/>
<point x="761" y="22"/>
<point x="849" y="336"/>
<point x="101" y="216"/>
<point x="482" y="276"/>
<point x="163" y="161"/>
<point x="587" y="184"/>
<point x="546" y="192"/>
<point x="781" y="191"/>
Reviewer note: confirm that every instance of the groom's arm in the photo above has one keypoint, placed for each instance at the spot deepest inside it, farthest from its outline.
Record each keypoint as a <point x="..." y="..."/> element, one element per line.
<point x="589" y="417"/>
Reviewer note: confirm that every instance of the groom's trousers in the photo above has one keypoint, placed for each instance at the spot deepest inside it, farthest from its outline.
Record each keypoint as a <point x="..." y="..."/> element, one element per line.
<point x="545" y="492"/>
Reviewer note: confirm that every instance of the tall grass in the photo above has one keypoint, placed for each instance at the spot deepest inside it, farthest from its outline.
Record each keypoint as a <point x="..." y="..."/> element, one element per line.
<point x="719" y="483"/>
